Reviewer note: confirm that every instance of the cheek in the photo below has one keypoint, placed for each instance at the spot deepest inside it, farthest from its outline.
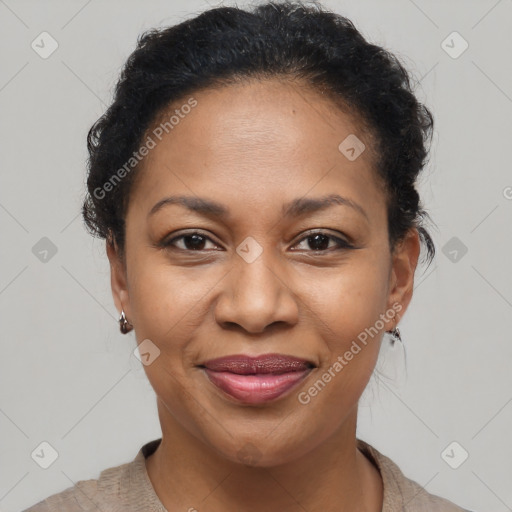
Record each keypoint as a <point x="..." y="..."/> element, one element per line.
<point x="348" y="315"/>
<point x="167" y="300"/>
<point x="348" y="300"/>
<point x="169" y="306"/>
<point x="166" y="307"/>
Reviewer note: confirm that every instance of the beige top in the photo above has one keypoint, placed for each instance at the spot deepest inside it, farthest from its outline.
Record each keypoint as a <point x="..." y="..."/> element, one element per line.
<point x="127" y="488"/>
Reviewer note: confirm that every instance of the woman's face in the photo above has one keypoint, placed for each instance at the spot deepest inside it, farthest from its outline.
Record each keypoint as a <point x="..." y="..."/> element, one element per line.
<point x="252" y="282"/>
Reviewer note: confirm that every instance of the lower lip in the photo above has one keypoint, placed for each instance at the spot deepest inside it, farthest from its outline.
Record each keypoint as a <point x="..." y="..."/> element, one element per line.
<point x="255" y="389"/>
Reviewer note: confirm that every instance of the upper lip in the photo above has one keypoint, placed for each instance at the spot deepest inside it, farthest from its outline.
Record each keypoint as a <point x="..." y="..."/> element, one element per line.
<point x="249" y="365"/>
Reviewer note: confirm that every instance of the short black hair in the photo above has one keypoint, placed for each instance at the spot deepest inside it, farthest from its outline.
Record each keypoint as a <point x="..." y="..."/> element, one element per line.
<point x="227" y="45"/>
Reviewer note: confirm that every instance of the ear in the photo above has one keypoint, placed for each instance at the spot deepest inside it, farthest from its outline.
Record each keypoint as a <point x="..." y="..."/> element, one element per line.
<point x="401" y="281"/>
<point x="118" y="277"/>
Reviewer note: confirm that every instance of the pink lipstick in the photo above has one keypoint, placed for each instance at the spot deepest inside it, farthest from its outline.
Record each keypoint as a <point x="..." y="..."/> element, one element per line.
<point x="254" y="380"/>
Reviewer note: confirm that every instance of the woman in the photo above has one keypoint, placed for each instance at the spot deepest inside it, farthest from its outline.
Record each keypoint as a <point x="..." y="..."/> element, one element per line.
<point x="254" y="180"/>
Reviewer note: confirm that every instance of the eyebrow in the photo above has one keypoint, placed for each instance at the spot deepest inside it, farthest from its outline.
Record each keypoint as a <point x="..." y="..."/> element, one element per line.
<point x="295" y="208"/>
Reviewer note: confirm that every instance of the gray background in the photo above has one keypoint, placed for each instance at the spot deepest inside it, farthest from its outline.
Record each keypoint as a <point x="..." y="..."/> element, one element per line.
<point x="68" y="377"/>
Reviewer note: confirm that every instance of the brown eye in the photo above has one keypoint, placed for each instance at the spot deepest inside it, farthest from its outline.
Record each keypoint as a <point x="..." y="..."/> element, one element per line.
<point x="189" y="242"/>
<point x="320" y="241"/>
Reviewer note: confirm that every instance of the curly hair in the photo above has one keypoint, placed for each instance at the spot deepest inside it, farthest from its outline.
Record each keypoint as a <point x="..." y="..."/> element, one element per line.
<point x="290" y="40"/>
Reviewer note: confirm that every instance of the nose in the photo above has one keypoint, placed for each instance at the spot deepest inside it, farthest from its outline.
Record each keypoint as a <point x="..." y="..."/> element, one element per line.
<point x="256" y="295"/>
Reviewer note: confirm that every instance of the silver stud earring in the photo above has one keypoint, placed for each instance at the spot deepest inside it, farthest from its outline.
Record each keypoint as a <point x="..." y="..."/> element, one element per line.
<point x="124" y="325"/>
<point x="395" y="335"/>
<point x="395" y="332"/>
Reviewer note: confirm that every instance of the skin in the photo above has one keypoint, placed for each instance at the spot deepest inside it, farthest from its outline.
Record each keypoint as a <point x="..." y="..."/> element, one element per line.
<point x="254" y="147"/>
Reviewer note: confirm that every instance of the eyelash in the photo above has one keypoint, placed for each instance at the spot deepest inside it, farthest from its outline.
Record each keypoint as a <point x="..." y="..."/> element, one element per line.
<point x="342" y="244"/>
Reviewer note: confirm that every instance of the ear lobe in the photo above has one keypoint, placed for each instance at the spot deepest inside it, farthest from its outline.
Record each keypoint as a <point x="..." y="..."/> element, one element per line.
<point x="118" y="280"/>
<point x="404" y="263"/>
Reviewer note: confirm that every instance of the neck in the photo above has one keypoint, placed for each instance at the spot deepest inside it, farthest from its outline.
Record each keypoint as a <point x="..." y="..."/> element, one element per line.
<point x="187" y="474"/>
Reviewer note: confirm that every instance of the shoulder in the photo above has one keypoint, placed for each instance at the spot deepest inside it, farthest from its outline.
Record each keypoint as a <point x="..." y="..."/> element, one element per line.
<point x="123" y="488"/>
<point x="71" y="499"/>
<point x="402" y="493"/>
<point x="86" y="495"/>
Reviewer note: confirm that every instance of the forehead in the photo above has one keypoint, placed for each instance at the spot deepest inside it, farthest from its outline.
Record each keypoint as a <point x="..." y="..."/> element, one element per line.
<point x="260" y="143"/>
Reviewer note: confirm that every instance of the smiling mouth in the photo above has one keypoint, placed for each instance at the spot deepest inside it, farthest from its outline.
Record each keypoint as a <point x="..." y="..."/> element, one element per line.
<point x="254" y="380"/>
